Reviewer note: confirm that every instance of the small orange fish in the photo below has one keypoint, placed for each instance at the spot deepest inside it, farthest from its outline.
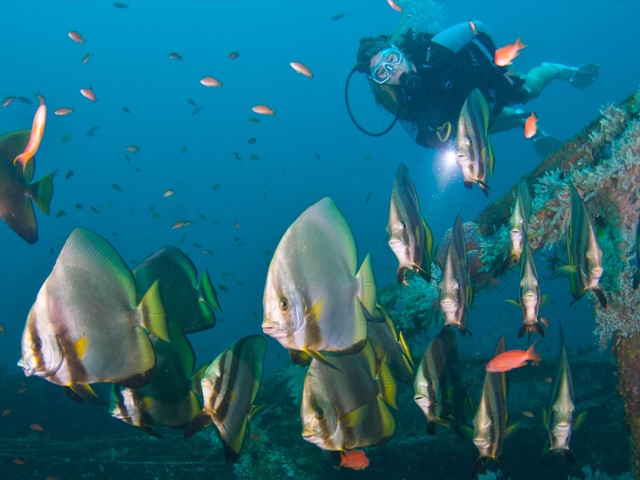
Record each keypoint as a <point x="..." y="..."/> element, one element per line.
<point x="354" y="459"/>
<point x="394" y="5"/>
<point x="133" y="149"/>
<point x="18" y="461"/>
<point x="37" y="130"/>
<point x="36" y="427"/>
<point x="88" y="93"/>
<point x="175" y="56"/>
<point x="40" y="99"/>
<point x="544" y="321"/>
<point x="301" y="69"/>
<point x="233" y="55"/>
<point x="504" y="55"/>
<point x="182" y="223"/>
<point x="7" y="101"/>
<point x="63" y="111"/>
<point x="530" y="128"/>
<point x="548" y="379"/>
<point x="6" y="411"/>
<point x="168" y="193"/>
<point x="511" y="359"/>
<point x="21" y="390"/>
<point x="76" y="37"/>
<point x="2" y="329"/>
<point x="211" y="82"/>
<point x="527" y="413"/>
<point x="263" y="110"/>
<point x="473" y="28"/>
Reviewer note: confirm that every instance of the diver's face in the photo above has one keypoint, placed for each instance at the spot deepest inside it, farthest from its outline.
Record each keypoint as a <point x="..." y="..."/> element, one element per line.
<point x="387" y="66"/>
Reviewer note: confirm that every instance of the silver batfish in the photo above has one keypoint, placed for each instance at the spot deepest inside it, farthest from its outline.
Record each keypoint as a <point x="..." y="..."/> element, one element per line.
<point x="410" y="237"/>
<point x="519" y="220"/>
<point x="85" y="325"/>
<point x="474" y="152"/>
<point x="313" y="299"/>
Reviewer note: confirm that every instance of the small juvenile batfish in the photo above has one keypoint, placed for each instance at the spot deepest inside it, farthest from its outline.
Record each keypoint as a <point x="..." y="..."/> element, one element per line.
<point x="559" y="419"/>
<point x="410" y="237"/>
<point x="229" y="388"/>
<point x="37" y="129"/>
<point x="346" y="407"/>
<point x="16" y="194"/>
<point x="168" y="399"/>
<point x="506" y="361"/>
<point x="210" y="82"/>
<point x="76" y="37"/>
<point x="63" y="111"/>
<point x="354" y="459"/>
<point x="504" y="55"/>
<point x="519" y="220"/>
<point x="530" y="126"/>
<point x="313" y="298"/>
<point x="491" y="418"/>
<point x="456" y="291"/>
<point x="585" y="256"/>
<point x="88" y="94"/>
<point x="439" y="388"/>
<point x="189" y="303"/>
<point x="301" y="69"/>
<point x="474" y="152"/>
<point x="263" y="110"/>
<point x="86" y="326"/>
<point x="530" y="299"/>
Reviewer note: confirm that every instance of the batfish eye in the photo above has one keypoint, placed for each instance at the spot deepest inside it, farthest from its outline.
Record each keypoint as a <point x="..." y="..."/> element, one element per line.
<point x="319" y="413"/>
<point x="36" y="345"/>
<point x="284" y="304"/>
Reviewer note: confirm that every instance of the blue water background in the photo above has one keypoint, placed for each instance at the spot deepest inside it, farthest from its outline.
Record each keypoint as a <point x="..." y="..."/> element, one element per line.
<point x="310" y="149"/>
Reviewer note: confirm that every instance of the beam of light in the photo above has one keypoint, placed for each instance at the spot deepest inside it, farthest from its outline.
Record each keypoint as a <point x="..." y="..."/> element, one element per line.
<point x="445" y="166"/>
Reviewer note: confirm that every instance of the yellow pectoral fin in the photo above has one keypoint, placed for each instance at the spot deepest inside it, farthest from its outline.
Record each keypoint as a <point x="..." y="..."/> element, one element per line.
<point x="80" y="348"/>
<point x="315" y="311"/>
<point x="356" y="416"/>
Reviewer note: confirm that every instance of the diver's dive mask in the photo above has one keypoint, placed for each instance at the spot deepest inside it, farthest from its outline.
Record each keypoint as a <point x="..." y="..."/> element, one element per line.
<point x="390" y="59"/>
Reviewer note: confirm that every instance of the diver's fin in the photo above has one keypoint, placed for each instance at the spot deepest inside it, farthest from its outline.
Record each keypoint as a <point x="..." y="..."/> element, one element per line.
<point x="545" y="145"/>
<point x="584" y="75"/>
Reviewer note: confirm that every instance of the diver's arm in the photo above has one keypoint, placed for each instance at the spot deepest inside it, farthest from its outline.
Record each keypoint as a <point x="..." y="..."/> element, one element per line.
<point x="457" y="37"/>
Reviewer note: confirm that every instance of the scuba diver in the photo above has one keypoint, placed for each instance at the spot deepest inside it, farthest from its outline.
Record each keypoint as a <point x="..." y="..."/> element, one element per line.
<point x="424" y="79"/>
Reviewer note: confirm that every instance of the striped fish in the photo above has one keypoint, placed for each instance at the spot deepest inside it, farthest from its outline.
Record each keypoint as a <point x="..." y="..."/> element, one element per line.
<point x="439" y="388"/>
<point x="168" y="399"/>
<point x="86" y="325"/>
<point x="188" y="303"/>
<point x="585" y="256"/>
<point x="490" y="421"/>
<point x="410" y="237"/>
<point x="313" y="298"/>
<point x="346" y="407"/>
<point x="456" y="292"/>
<point x="474" y="152"/>
<point x="229" y="387"/>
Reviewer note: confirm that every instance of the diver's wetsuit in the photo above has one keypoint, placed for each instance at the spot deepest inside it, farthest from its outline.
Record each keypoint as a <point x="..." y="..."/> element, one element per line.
<point x="445" y="77"/>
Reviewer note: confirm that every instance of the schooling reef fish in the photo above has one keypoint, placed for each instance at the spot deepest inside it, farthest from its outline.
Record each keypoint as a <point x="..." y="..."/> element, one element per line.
<point x="519" y="220"/>
<point x="313" y="298"/>
<point x="410" y="237"/>
<point x="187" y="302"/>
<point x="229" y="387"/>
<point x="16" y="194"/>
<point x="86" y="325"/>
<point x="474" y="152"/>
<point x="456" y="292"/>
<point x="346" y="408"/>
<point x="585" y="255"/>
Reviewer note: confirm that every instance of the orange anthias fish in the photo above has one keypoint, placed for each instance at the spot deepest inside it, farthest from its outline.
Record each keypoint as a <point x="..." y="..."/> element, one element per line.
<point x="511" y="359"/>
<point x="37" y="130"/>
<point x="2" y="329"/>
<point x="394" y="5"/>
<point x="63" y="111"/>
<point x="211" y="82"/>
<point x="88" y="93"/>
<point x="301" y="68"/>
<point x="233" y="55"/>
<point x="36" y="427"/>
<point x="504" y="55"/>
<point x="76" y="37"/>
<point x="354" y="459"/>
<point x="530" y="128"/>
<point x="263" y="110"/>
